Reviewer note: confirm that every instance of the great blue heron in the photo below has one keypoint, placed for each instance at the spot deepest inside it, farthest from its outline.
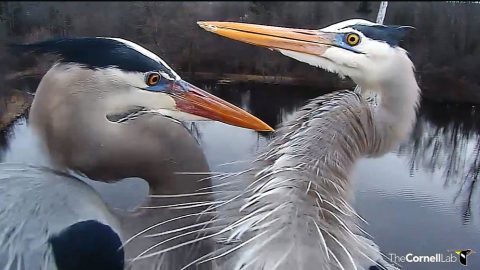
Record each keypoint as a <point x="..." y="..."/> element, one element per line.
<point x="111" y="109"/>
<point x="295" y="212"/>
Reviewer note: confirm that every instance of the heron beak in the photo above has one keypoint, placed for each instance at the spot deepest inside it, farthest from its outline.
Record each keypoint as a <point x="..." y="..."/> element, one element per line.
<point x="312" y="42"/>
<point x="193" y="100"/>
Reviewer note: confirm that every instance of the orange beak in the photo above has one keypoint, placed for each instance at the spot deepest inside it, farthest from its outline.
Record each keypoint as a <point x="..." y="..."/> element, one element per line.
<point x="193" y="100"/>
<point x="312" y="42"/>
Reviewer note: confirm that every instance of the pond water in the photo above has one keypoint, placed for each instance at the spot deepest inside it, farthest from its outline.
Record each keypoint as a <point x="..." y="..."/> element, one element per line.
<point x="421" y="198"/>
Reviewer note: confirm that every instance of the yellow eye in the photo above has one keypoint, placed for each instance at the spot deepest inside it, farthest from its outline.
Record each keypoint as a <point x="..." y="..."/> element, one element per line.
<point x="152" y="79"/>
<point x="352" y="39"/>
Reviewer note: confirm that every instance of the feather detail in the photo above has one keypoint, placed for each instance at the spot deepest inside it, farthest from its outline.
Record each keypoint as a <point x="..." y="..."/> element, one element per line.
<point x="296" y="206"/>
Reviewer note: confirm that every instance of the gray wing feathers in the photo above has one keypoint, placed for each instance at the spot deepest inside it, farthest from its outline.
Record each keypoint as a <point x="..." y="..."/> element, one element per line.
<point x="36" y="203"/>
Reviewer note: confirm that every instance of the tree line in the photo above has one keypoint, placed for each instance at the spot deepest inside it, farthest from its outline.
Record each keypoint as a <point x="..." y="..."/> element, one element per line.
<point x="444" y="45"/>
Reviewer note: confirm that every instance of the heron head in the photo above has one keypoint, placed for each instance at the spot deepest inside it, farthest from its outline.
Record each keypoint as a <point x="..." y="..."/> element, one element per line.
<point x="362" y="50"/>
<point x="123" y="77"/>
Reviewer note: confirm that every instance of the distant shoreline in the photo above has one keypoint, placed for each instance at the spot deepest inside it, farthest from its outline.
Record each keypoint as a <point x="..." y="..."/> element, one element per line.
<point x="436" y="86"/>
<point x="17" y="102"/>
<point x="228" y="78"/>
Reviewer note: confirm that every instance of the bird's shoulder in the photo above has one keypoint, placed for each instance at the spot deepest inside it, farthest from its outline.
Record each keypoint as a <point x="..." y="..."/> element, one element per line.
<point x="36" y="204"/>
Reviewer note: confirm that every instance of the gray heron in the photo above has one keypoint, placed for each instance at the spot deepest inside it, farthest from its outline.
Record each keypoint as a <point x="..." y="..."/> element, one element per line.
<point x="110" y="109"/>
<point x="295" y="212"/>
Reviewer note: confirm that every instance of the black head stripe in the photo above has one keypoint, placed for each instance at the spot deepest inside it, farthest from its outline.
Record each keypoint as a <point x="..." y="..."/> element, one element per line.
<point x="95" y="53"/>
<point x="391" y="34"/>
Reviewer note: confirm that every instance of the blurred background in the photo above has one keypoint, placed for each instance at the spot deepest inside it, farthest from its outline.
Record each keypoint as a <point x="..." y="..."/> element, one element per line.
<point x="421" y="198"/>
<point x="444" y="46"/>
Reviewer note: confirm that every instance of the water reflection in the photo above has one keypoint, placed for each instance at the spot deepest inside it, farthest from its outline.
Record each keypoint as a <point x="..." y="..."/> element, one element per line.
<point x="429" y="182"/>
<point x="445" y="140"/>
<point x="271" y="103"/>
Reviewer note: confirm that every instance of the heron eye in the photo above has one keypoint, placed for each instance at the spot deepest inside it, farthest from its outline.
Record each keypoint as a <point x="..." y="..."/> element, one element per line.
<point x="152" y="79"/>
<point x="353" y="39"/>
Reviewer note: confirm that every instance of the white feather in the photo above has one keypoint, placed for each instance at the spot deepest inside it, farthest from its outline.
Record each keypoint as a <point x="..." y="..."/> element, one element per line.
<point x="147" y="53"/>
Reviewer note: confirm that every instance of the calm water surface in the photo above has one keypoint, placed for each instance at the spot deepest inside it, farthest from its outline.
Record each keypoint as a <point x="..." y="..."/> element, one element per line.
<point x="421" y="198"/>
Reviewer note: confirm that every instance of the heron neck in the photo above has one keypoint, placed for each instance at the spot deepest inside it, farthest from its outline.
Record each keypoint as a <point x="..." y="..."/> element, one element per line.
<point x="395" y="116"/>
<point x="301" y="191"/>
<point x="154" y="148"/>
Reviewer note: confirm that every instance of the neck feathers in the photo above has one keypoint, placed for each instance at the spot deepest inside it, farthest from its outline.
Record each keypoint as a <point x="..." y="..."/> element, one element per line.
<point x="295" y="214"/>
<point x="395" y="117"/>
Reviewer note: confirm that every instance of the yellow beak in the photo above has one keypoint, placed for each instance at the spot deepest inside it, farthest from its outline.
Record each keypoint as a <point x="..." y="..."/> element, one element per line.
<point x="312" y="42"/>
<point x="193" y="100"/>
